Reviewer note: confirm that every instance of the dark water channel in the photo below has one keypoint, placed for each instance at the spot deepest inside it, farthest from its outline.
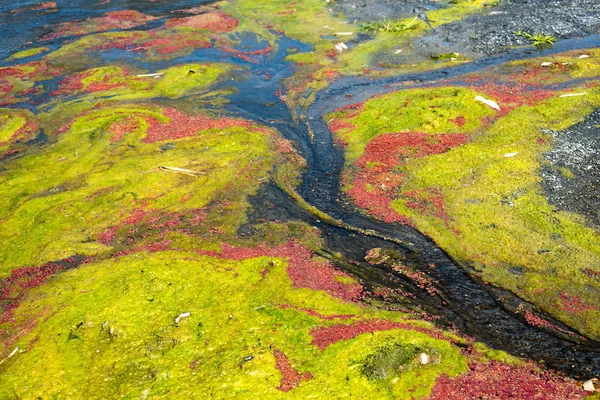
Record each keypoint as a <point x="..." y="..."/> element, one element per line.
<point x="475" y="309"/>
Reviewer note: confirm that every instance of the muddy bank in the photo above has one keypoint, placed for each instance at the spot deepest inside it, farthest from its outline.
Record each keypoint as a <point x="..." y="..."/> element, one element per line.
<point x="494" y="31"/>
<point x="572" y="178"/>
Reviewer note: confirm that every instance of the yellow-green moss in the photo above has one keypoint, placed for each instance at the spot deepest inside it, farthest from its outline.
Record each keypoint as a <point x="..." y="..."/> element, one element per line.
<point x="110" y="330"/>
<point x="28" y="53"/>
<point x="498" y="206"/>
<point x="422" y="110"/>
<point x="57" y="200"/>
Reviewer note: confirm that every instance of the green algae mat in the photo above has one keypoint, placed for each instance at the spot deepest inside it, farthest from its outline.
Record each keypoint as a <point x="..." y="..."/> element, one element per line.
<point x="293" y="199"/>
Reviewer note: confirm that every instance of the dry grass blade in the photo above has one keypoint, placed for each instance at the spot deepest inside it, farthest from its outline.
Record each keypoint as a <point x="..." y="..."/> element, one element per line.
<point x="181" y="171"/>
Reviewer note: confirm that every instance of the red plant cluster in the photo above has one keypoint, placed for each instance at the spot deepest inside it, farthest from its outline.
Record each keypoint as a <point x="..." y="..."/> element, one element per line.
<point x="324" y="336"/>
<point x="153" y="220"/>
<point x="337" y="125"/>
<point x="123" y="19"/>
<point x="73" y="84"/>
<point x="389" y="294"/>
<point x="592" y="274"/>
<point x="49" y="5"/>
<point x="377" y="182"/>
<point x="211" y="21"/>
<point x="182" y="125"/>
<point x="303" y="270"/>
<point x="459" y="121"/>
<point x="495" y="380"/>
<point x="14" y="288"/>
<point x="5" y="87"/>
<point x="175" y="42"/>
<point x="534" y="320"/>
<point x="574" y="304"/>
<point x="419" y="278"/>
<point x="26" y="132"/>
<point x="290" y="377"/>
<point x="376" y="256"/>
<point x="31" y="71"/>
<point x="122" y="127"/>
<point x="314" y="313"/>
<point x="429" y="201"/>
<point x="247" y="55"/>
<point x="353" y="106"/>
<point x="156" y="41"/>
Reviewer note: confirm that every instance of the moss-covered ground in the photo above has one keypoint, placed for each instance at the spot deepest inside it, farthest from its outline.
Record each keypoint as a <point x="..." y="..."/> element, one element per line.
<point x="469" y="176"/>
<point x="126" y="266"/>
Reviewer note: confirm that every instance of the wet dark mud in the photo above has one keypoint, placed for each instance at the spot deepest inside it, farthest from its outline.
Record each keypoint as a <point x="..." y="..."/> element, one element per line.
<point x="572" y="178"/>
<point x="494" y="31"/>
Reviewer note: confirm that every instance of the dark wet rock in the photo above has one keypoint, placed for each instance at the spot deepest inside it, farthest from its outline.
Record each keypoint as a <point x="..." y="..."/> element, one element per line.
<point x="375" y="10"/>
<point x="572" y="180"/>
<point x="494" y="31"/>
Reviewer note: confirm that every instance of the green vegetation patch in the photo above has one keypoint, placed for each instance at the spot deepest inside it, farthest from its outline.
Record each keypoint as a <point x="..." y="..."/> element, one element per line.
<point x="28" y="53"/>
<point x="173" y="323"/>
<point x="16" y="128"/>
<point x="439" y="110"/>
<point x="58" y="201"/>
<point x="500" y="219"/>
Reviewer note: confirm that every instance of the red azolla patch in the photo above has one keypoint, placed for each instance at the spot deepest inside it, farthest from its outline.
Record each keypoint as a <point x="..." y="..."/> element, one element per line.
<point x="324" y="336"/>
<point x="428" y="201"/>
<point x="23" y="73"/>
<point x="338" y="125"/>
<point x="49" y="5"/>
<point x="421" y="279"/>
<point x="459" y="121"/>
<point x="6" y="87"/>
<point x="212" y="21"/>
<point x="290" y="377"/>
<point x="512" y="95"/>
<point x="353" y="106"/>
<point x="123" y="127"/>
<point x="534" y="320"/>
<point x="123" y="19"/>
<point x="14" y="288"/>
<point x="181" y="125"/>
<point x="26" y="132"/>
<point x="377" y="181"/>
<point x="391" y="149"/>
<point x="303" y="270"/>
<point x="246" y="55"/>
<point x="152" y="221"/>
<point x="494" y="380"/>
<point x="574" y="304"/>
<point x="74" y="84"/>
<point x="175" y="42"/>
<point x="374" y="191"/>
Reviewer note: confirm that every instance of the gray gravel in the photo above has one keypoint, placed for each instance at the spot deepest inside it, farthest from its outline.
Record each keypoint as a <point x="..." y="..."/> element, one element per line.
<point x="494" y="31"/>
<point x="577" y="149"/>
<point x="375" y="10"/>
